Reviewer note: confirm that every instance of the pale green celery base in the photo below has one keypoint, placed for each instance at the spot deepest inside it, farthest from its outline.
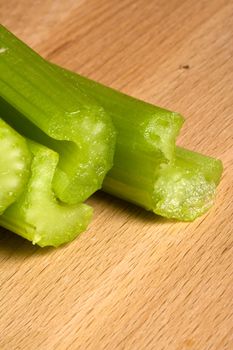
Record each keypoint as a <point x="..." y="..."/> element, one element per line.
<point x="38" y="216"/>
<point x="73" y="125"/>
<point x="15" y="159"/>
<point x="183" y="195"/>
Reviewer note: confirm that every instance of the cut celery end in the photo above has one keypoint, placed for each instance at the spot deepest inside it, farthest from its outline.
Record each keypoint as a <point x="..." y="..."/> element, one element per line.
<point x="64" y="119"/>
<point x="37" y="215"/>
<point x="182" y="191"/>
<point x="15" y="159"/>
<point x="187" y="189"/>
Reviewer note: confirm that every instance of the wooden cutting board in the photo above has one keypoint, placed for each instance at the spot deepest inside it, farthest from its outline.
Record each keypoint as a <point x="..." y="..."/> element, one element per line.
<point x="132" y="281"/>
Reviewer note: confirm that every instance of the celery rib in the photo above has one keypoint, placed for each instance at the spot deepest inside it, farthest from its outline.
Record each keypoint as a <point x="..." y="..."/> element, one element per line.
<point x="15" y="159"/>
<point x="141" y="126"/>
<point x="146" y="137"/>
<point x="37" y="215"/>
<point x="54" y="112"/>
<point x="148" y="169"/>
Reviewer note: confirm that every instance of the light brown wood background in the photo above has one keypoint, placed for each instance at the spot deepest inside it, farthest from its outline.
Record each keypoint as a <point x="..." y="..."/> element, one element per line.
<point x="132" y="281"/>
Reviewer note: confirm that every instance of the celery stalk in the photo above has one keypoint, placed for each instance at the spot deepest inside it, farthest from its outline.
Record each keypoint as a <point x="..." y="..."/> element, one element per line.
<point x="37" y="215"/>
<point x="15" y="159"/>
<point x="148" y="170"/>
<point x="41" y="103"/>
<point x="183" y="190"/>
<point x="144" y="132"/>
<point x="141" y="126"/>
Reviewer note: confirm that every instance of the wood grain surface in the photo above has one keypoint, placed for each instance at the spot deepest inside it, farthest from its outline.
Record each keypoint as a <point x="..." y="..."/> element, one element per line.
<point x="132" y="281"/>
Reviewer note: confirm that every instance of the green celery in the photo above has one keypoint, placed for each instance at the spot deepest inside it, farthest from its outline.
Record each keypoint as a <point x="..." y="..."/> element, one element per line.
<point x="42" y="104"/>
<point x="148" y="170"/>
<point x="37" y="215"/>
<point x="15" y="159"/>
